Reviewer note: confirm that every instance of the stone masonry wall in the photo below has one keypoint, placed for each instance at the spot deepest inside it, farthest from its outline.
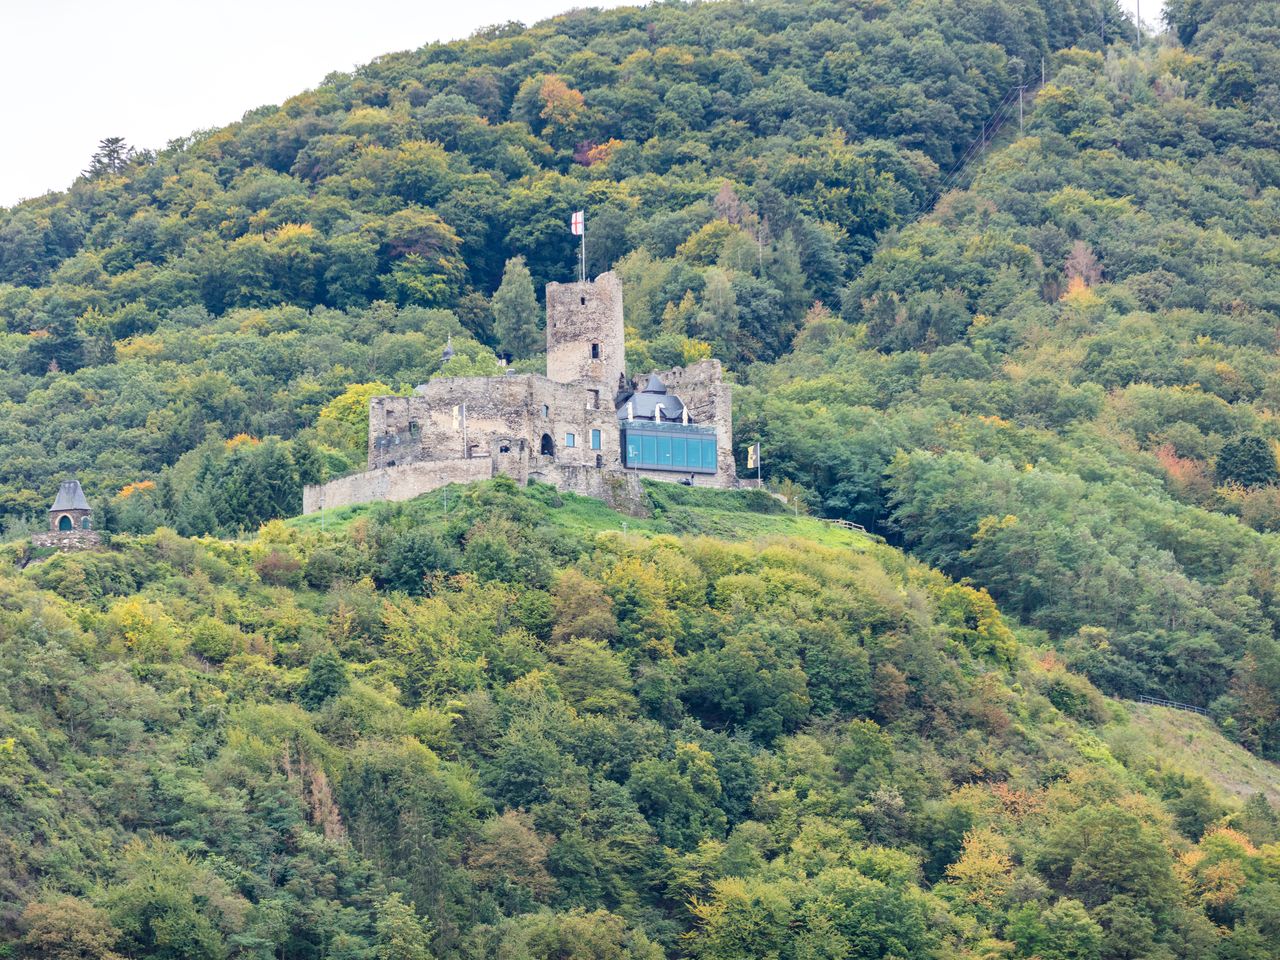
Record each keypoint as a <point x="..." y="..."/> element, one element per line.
<point x="578" y="316"/>
<point x="618" y="488"/>
<point x="500" y="411"/>
<point x="401" y="482"/>
<point x="67" y="540"/>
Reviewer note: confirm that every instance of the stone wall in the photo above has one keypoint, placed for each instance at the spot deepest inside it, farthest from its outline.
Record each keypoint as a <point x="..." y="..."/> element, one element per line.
<point x="500" y="412"/>
<point x="67" y="540"/>
<point x="402" y="482"/>
<point x="580" y="315"/>
<point x="620" y="489"/>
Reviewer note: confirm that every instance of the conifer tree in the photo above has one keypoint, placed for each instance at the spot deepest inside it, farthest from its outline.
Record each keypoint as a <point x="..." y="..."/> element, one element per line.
<point x="515" y="311"/>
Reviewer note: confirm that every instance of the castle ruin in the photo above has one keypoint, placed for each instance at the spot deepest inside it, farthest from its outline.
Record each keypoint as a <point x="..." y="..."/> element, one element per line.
<point x="584" y="427"/>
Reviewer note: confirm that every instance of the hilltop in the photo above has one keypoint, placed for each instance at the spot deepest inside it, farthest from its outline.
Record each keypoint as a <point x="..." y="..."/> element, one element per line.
<point x="1038" y="363"/>
<point x="502" y="725"/>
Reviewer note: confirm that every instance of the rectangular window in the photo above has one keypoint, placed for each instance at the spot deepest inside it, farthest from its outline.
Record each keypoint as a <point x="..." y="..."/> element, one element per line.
<point x="595" y="351"/>
<point x="570" y="440"/>
<point x="664" y="451"/>
<point x="648" y="449"/>
<point x="669" y="450"/>
<point x="595" y="399"/>
<point x="595" y="439"/>
<point x="546" y="411"/>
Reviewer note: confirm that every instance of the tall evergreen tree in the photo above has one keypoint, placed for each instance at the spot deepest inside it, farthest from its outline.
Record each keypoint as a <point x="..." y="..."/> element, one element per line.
<point x="515" y="312"/>
<point x="112" y="156"/>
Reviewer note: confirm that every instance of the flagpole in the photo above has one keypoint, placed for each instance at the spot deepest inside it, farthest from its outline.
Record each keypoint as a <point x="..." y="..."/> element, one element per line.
<point x="582" y="253"/>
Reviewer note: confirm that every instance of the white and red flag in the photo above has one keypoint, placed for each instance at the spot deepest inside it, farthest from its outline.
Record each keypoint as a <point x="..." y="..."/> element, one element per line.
<point x="578" y="223"/>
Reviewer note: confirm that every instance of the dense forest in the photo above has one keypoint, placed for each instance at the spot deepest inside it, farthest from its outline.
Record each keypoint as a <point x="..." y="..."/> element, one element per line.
<point x="1037" y="358"/>
<point x="494" y="724"/>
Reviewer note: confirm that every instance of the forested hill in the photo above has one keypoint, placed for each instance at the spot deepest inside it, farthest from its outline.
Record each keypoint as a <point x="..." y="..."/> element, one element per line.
<point x="738" y="160"/>
<point x="496" y="724"/>
<point x="505" y="725"/>
<point x="1063" y="383"/>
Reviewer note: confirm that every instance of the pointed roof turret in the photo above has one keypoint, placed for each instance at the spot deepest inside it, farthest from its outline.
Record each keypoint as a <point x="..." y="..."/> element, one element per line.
<point x="70" y="497"/>
<point x="447" y="353"/>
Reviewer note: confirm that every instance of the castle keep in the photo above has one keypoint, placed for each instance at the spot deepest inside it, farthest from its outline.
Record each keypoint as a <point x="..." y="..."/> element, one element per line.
<point x="584" y="427"/>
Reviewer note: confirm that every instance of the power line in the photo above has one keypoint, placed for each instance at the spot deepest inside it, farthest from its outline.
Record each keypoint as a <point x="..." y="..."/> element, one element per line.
<point x="1003" y="112"/>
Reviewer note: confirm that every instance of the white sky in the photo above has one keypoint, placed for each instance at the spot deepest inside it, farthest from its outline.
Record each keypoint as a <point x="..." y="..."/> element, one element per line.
<point x="75" y="71"/>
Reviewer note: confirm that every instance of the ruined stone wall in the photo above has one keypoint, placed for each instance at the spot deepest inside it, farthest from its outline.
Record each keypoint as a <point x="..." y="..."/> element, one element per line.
<point x="620" y="489"/>
<point x="580" y="316"/>
<point x="67" y="540"/>
<point x="709" y="401"/>
<point x="500" y="412"/>
<point x="401" y="482"/>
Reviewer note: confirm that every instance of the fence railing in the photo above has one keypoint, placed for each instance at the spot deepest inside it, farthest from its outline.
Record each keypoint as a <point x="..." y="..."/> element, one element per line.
<point x="1158" y="702"/>
<point x="847" y="524"/>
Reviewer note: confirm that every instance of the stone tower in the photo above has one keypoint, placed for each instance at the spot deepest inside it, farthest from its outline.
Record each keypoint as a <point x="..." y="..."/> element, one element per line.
<point x="584" y="333"/>
<point x="70" y="510"/>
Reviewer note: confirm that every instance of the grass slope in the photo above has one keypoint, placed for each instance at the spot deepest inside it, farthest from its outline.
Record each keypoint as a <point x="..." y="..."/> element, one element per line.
<point x="1162" y="739"/>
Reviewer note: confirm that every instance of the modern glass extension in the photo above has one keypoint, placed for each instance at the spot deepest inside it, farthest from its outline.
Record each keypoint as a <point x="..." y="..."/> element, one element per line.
<point x="677" y="448"/>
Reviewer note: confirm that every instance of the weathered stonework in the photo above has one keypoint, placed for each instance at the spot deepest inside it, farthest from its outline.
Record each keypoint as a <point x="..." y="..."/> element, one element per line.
<point x="563" y="428"/>
<point x="585" y="333"/>
<point x="70" y="521"/>
<point x="67" y="540"/>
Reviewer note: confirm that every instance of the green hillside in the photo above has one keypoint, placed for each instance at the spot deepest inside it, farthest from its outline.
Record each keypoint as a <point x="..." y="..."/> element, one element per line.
<point x="1169" y="739"/>
<point x="499" y="729"/>
<point x="1038" y="363"/>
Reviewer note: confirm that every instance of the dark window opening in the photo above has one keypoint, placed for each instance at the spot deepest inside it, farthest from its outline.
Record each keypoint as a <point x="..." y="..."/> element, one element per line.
<point x="391" y="463"/>
<point x="548" y="446"/>
<point x="599" y="460"/>
<point x="595" y="399"/>
<point x="595" y="351"/>
<point x="413" y="428"/>
<point x="582" y="301"/>
<point x="504" y="448"/>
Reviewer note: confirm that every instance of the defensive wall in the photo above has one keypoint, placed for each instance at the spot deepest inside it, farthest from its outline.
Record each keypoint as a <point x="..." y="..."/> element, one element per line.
<point x="617" y="488"/>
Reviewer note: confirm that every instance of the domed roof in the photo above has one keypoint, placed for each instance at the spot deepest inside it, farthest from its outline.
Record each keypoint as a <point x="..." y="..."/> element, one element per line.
<point x="653" y="403"/>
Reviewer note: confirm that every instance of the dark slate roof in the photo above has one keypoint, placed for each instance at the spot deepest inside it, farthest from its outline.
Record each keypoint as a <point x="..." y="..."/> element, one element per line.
<point x="70" y="497"/>
<point x="644" y="405"/>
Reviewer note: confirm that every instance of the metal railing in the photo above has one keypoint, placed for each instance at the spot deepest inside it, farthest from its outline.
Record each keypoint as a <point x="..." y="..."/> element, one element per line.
<point x="1158" y="702"/>
<point x="847" y="524"/>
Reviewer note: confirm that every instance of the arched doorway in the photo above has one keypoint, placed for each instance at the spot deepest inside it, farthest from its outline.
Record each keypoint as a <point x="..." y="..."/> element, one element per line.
<point x="548" y="446"/>
<point x="65" y="523"/>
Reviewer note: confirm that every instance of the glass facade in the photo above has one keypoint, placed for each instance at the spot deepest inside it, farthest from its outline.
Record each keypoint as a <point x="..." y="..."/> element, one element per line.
<point x="682" y="451"/>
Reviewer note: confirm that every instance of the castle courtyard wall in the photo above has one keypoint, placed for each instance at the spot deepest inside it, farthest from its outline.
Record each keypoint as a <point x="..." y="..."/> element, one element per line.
<point x="401" y="482"/>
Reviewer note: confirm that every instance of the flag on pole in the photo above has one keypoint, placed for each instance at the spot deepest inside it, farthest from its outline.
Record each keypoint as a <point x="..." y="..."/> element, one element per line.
<point x="753" y="456"/>
<point x="578" y="223"/>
